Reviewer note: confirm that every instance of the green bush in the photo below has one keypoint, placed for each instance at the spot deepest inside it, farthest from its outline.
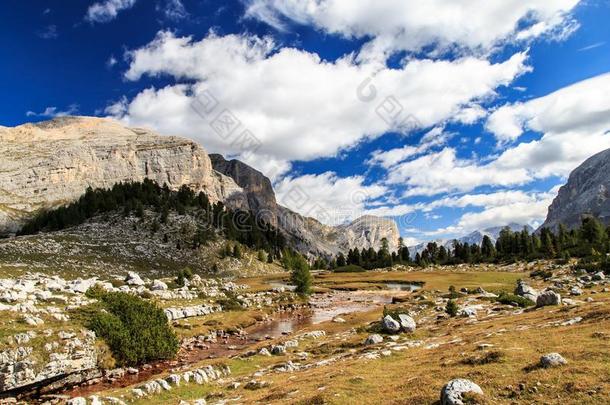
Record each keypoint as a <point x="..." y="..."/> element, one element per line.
<point x="135" y="330"/>
<point x="511" y="299"/>
<point x="350" y="268"/>
<point x="184" y="274"/>
<point x="231" y="302"/>
<point x="451" y="308"/>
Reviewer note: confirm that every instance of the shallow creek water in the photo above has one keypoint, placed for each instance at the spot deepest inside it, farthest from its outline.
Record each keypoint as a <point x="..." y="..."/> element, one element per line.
<point x="323" y="307"/>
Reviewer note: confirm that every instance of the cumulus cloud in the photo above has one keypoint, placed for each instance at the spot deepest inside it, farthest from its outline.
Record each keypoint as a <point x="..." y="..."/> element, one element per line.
<point x="583" y="107"/>
<point x="298" y="106"/>
<point x="108" y="10"/>
<point x="51" y="112"/>
<point x="531" y="210"/>
<point x="327" y="197"/>
<point x="412" y="25"/>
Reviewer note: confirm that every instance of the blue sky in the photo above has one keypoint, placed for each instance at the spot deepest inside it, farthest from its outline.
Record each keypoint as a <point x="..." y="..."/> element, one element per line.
<point x="503" y="100"/>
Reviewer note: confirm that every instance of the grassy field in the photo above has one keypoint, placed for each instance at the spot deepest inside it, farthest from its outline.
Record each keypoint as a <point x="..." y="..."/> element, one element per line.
<point x="506" y="369"/>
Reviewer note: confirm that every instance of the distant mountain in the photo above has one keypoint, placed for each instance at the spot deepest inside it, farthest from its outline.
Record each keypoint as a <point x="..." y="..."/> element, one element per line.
<point x="474" y="238"/>
<point x="587" y="192"/>
<point x="306" y="234"/>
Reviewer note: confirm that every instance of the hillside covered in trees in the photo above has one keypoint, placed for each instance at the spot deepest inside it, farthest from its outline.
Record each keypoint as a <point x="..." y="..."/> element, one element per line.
<point x="135" y="198"/>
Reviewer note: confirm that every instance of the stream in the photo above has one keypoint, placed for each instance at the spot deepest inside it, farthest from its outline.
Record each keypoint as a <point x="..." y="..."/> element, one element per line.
<point x="323" y="308"/>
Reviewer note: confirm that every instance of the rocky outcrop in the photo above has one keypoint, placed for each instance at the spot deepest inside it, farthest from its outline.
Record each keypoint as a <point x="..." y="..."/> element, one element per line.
<point x="587" y="192"/>
<point x="52" y="163"/>
<point x="305" y="234"/>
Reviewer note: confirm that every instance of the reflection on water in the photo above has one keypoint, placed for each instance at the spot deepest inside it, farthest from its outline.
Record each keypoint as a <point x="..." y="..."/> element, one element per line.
<point x="278" y="285"/>
<point x="402" y="287"/>
<point x="323" y="308"/>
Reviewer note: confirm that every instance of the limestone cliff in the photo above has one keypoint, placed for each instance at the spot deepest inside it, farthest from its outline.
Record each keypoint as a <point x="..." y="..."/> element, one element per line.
<point x="587" y="192"/>
<point x="52" y="163"/>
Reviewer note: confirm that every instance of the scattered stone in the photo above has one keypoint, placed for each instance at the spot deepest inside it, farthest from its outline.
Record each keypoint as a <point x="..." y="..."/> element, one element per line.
<point x="552" y="360"/>
<point x="338" y="319"/>
<point x="278" y="350"/>
<point x="158" y="285"/>
<point x="573" y="321"/>
<point x="407" y="323"/>
<point x="575" y="291"/>
<point x="291" y="344"/>
<point x="256" y="385"/>
<point x="453" y="392"/>
<point x="390" y="325"/>
<point x="134" y="279"/>
<point x="548" y="297"/>
<point x="599" y="276"/>
<point x="526" y="291"/>
<point x="174" y="379"/>
<point x="264" y="352"/>
<point x="77" y="401"/>
<point x="373" y="340"/>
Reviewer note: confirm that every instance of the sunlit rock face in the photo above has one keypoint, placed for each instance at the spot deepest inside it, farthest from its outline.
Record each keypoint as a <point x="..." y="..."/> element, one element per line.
<point x="52" y="163"/>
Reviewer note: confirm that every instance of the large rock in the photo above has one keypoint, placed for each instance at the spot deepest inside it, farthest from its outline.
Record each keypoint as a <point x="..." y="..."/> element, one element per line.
<point x="547" y="298"/>
<point x="407" y="323"/>
<point x="51" y="163"/>
<point x="587" y="192"/>
<point x="525" y="291"/>
<point x="453" y="392"/>
<point x="134" y="279"/>
<point x="390" y="325"/>
<point x="552" y="360"/>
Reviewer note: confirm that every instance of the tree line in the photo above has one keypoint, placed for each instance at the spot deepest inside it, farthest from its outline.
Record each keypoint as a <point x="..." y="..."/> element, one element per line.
<point x="133" y="198"/>
<point x="590" y="240"/>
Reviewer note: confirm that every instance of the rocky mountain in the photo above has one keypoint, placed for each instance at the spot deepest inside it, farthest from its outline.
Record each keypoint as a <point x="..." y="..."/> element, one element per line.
<point x="52" y="163"/>
<point x="587" y="192"/>
<point x="474" y="238"/>
<point x="306" y="234"/>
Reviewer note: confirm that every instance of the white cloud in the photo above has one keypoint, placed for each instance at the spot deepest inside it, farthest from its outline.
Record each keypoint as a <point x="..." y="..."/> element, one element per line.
<point x="443" y="172"/>
<point x="583" y="107"/>
<point x="330" y="199"/>
<point x="433" y="138"/>
<point x="499" y="209"/>
<point x="51" y="112"/>
<point x="574" y="121"/>
<point x="106" y="11"/>
<point x="297" y="105"/>
<point x="173" y="10"/>
<point x="411" y="25"/>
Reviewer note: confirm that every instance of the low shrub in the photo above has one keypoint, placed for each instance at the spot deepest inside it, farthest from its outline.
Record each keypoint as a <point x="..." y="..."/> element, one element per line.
<point x="512" y="299"/>
<point x="136" y="331"/>
<point x="231" y="302"/>
<point x="452" y="308"/>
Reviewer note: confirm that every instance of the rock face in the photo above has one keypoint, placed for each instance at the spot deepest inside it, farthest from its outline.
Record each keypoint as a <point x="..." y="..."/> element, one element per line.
<point x="587" y="192"/>
<point x="52" y="163"/>
<point x="304" y="234"/>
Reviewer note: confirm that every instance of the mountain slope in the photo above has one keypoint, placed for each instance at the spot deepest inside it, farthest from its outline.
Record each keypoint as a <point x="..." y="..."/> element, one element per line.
<point x="587" y="192"/>
<point x="52" y="163"/>
<point x="305" y="234"/>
